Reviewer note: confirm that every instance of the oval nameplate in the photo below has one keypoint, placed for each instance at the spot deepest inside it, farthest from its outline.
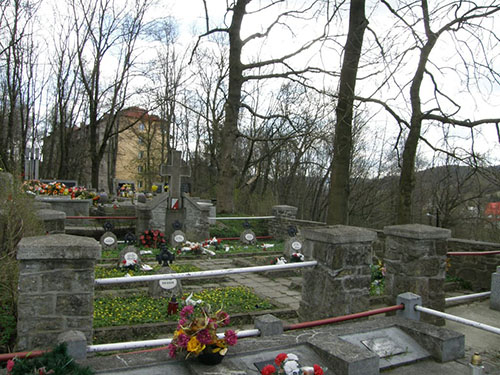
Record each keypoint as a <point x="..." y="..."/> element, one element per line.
<point x="168" y="284"/>
<point x="109" y="241"/>
<point x="296" y="245"/>
<point x="131" y="256"/>
<point x="249" y="237"/>
<point x="179" y="238"/>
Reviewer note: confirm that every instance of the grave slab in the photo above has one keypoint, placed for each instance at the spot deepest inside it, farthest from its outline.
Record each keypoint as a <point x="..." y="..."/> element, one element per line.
<point x="392" y="345"/>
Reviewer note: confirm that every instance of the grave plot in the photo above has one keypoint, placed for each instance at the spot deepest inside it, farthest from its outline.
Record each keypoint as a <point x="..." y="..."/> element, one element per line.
<point x="128" y="311"/>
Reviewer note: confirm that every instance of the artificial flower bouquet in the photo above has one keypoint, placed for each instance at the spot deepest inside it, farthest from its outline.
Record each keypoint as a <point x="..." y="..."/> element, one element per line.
<point x="197" y="332"/>
<point x="288" y="364"/>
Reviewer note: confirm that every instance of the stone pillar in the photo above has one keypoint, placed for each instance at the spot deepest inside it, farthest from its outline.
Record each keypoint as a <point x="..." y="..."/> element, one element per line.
<point x="415" y="259"/>
<point x="278" y="227"/>
<point x="495" y="290"/>
<point x="340" y="283"/>
<point x="56" y="288"/>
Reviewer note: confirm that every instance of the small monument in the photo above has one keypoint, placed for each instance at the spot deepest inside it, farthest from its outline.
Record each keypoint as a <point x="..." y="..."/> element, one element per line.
<point x="178" y="237"/>
<point x="293" y="244"/>
<point x="167" y="288"/>
<point x="129" y="256"/>
<point x="108" y="239"/>
<point x="247" y="237"/>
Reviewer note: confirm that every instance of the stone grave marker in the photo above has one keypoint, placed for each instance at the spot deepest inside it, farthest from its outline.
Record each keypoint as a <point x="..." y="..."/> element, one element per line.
<point x="108" y="240"/>
<point x="167" y="288"/>
<point x="129" y="257"/>
<point x="248" y="237"/>
<point x="141" y="198"/>
<point x="294" y="243"/>
<point x="178" y="237"/>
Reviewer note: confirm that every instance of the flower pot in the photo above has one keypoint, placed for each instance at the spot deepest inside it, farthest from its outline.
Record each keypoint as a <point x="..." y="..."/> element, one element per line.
<point x="207" y="357"/>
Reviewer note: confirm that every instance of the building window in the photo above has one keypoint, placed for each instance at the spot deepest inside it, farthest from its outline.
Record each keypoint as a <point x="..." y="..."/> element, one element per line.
<point x="140" y="155"/>
<point x="141" y="127"/>
<point x="140" y="140"/>
<point x="139" y="169"/>
<point x="140" y="184"/>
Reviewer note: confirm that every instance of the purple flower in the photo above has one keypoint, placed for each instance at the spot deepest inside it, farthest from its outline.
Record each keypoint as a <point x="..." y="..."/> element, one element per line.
<point x="223" y="317"/>
<point x="187" y="310"/>
<point x="231" y="337"/>
<point x="172" y="350"/>
<point x="182" y="322"/>
<point x="182" y="340"/>
<point x="204" y="337"/>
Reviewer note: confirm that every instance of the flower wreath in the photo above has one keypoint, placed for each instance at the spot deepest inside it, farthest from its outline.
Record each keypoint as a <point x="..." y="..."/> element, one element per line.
<point x="288" y="364"/>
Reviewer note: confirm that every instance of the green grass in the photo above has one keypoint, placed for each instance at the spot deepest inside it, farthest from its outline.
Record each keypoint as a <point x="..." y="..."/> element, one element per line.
<point x="118" y="311"/>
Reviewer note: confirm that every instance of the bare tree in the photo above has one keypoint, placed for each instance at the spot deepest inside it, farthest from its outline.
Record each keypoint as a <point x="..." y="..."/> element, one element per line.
<point x="342" y="145"/>
<point x="462" y="24"/>
<point x="240" y="73"/>
<point x="105" y="31"/>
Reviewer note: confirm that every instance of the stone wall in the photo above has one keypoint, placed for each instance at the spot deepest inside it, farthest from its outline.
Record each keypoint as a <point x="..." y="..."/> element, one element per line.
<point x="340" y="283"/>
<point x="476" y="270"/>
<point x="56" y="288"/>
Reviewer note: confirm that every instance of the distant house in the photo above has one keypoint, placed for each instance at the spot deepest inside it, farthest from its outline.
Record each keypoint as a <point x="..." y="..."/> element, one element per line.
<point x="492" y="211"/>
<point x="133" y="155"/>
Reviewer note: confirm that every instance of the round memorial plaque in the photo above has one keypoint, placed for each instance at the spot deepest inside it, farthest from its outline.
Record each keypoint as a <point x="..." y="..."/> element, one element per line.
<point x="296" y="245"/>
<point x="179" y="238"/>
<point x="130" y="257"/>
<point x="168" y="284"/>
<point x="249" y="237"/>
<point x="109" y="241"/>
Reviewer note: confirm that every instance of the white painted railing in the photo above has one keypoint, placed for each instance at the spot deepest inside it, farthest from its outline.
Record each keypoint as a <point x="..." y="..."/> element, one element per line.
<point x="209" y="273"/>
<point x="466" y="297"/>
<point x="151" y="343"/>
<point x="458" y="319"/>
<point x="242" y="218"/>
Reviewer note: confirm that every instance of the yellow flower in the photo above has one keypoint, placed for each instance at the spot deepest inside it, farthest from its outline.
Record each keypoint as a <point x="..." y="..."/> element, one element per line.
<point x="195" y="346"/>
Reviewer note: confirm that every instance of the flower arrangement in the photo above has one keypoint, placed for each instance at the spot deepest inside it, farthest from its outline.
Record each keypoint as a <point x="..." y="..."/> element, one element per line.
<point x="152" y="238"/>
<point x="58" y="189"/>
<point x="197" y="332"/>
<point x="288" y="364"/>
<point x="297" y="257"/>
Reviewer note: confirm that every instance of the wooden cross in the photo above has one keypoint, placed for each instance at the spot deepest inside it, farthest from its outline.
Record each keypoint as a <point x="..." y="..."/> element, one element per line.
<point x="175" y="170"/>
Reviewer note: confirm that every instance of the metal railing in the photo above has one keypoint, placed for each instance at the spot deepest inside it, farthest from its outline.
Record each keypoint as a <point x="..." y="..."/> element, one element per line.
<point x="458" y="319"/>
<point x="200" y="274"/>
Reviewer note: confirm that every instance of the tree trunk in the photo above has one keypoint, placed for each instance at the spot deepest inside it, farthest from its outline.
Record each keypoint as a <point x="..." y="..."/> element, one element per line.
<point x="407" y="177"/>
<point x="227" y="172"/>
<point x="339" y="190"/>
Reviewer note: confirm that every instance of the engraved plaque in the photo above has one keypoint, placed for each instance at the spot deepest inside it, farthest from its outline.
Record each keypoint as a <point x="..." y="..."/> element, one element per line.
<point x="179" y="238"/>
<point x="383" y="346"/>
<point x="168" y="284"/>
<point x="296" y="245"/>
<point x="249" y="237"/>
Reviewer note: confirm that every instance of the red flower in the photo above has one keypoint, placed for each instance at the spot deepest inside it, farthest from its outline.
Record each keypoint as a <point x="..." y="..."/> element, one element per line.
<point x="10" y="365"/>
<point x="268" y="370"/>
<point x="317" y="370"/>
<point x="124" y="261"/>
<point x="280" y="358"/>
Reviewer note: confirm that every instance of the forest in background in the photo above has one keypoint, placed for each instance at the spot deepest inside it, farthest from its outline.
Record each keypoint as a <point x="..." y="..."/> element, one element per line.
<point x="270" y="101"/>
